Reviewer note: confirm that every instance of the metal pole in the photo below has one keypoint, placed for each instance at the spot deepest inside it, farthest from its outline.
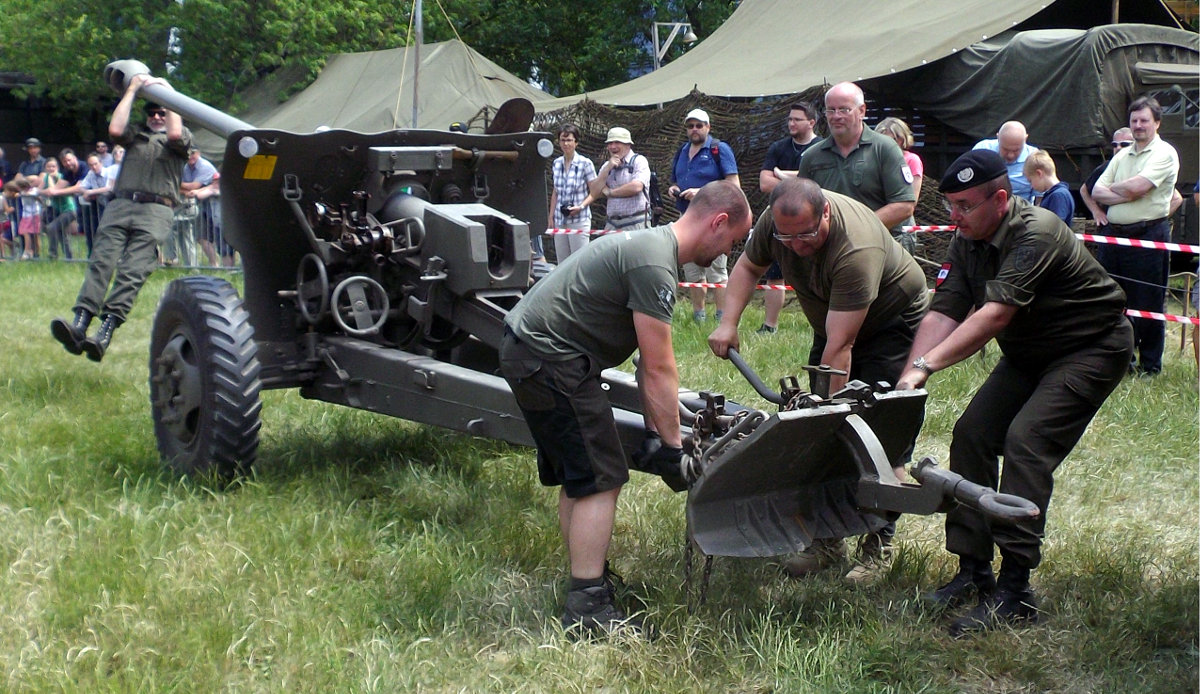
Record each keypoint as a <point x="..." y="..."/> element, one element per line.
<point x="420" y="38"/>
<point x="117" y="74"/>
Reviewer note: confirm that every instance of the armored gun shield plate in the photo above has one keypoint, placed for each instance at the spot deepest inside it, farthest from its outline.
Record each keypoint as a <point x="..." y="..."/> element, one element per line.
<point x="797" y="477"/>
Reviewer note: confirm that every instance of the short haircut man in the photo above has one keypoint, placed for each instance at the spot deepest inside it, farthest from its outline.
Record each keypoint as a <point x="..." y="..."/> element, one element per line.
<point x="615" y="295"/>
<point x="863" y="295"/>
<point x="1138" y="185"/>
<point x="859" y="162"/>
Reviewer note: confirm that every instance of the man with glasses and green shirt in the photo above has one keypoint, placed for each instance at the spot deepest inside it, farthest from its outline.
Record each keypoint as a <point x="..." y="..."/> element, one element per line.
<point x="135" y="222"/>
<point x="1014" y="272"/>
<point x="864" y="297"/>
<point x="858" y="162"/>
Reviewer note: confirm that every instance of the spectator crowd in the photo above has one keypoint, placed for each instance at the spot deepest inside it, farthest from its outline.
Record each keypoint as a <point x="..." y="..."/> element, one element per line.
<point x="51" y="206"/>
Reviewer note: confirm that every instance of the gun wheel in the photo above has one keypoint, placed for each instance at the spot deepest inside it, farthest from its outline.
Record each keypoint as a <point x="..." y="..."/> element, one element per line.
<point x="204" y="379"/>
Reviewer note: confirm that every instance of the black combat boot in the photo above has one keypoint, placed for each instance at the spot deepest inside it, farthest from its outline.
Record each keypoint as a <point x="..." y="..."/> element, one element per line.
<point x="590" y="610"/>
<point x="96" y="345"/>
<point x="974" y="579"/>
<point x="1011" y="604"/>
<point x="72" y="334"/>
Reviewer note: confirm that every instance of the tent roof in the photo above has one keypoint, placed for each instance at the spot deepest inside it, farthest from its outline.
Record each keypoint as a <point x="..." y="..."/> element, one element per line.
<point x="770" y="47"/>
<point x="1022" y="75"/>
<point x="373" y="91"/>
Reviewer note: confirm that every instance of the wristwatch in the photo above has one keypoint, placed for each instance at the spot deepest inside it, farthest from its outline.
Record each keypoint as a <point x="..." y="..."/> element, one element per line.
<point x="920" y="363"/>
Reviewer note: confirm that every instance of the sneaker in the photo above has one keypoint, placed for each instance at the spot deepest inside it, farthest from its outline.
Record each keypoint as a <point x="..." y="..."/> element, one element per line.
<point x="964" y="586"/>
<point x="875" y="556"/>
<point x="1006" y="606"/>
<point x="699" y="316"/>
<point x="820" y="555"/>
<point x="765" y="329"/>
<point x="590" y="611"/>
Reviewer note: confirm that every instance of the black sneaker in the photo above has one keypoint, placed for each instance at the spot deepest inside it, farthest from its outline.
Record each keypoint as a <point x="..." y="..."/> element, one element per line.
<point x="1004" y="607"/>
<point x="965" y="585"/>
<point x="590" y="611"/>
<point x="765" y="329"/>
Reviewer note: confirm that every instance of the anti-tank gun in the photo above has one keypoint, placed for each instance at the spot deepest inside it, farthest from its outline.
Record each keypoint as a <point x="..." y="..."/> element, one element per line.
<point x="378" y="268"/>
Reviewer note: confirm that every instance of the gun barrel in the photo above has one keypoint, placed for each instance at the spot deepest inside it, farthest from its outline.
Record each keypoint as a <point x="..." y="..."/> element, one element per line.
<point x="118" y="73"/>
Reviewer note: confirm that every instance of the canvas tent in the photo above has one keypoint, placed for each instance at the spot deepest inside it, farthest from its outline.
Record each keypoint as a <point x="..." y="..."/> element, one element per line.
<point x="770" y="47"/>
<point x="372" y="92"/>
<point x="1070" y="86"/>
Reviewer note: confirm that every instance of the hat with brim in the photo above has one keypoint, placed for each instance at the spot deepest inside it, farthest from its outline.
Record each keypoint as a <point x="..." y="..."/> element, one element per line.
<point x="697" y="114"/>
<point x="619" y="135"/>
<point x="32" y="142"/>
<point x="972" y="169"/>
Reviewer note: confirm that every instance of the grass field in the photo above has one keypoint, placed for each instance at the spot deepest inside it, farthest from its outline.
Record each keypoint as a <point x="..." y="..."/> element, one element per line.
<point x="368" y="554"/>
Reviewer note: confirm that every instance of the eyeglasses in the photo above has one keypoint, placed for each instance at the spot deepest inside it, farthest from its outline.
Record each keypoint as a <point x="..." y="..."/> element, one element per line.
<point x="1121" y="144"/>
<point x="963" y="211"/>
<point x="803" y="236"/>
<point x="839" y="111"/>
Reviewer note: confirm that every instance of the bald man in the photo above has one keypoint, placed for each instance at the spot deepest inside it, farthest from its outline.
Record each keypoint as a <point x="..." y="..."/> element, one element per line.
<point x="1011" y="143"/>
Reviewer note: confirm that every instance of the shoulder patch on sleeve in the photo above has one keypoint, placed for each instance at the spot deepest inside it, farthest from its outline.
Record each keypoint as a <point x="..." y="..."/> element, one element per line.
<point x="941" y="276"/>
<point x="1024" y="258"/>
<point x="908" y="174"/>
<point x="666" y="296"/>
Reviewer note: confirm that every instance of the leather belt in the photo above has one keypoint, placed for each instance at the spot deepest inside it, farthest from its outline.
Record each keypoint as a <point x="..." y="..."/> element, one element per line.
<point x="139" y="196"/>
<point x="1137" y="228"/>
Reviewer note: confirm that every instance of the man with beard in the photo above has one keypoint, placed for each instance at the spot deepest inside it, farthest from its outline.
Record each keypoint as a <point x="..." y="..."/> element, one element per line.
<point x="615" y="295"/>
<point x="136" y="221"/>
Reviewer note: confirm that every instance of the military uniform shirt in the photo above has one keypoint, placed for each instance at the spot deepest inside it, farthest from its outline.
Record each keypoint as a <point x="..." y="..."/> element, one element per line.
<point x="874" y="173"/>
<point x="859" y="266"/>
<point x="1034" y="262"/>
<point x="585" y="306"/>
<point x="155" y="167"/>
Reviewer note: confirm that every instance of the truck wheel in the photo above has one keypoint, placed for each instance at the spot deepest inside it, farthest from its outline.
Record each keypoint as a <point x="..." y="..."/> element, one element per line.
<point x="204" y="379"/>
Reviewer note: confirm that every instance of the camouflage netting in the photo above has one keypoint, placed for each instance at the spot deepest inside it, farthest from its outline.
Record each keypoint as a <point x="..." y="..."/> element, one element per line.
<point x="748" y="126"/>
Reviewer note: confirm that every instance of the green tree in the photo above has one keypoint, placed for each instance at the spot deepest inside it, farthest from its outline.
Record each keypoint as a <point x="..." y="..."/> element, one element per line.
<point x="212" y="49"/>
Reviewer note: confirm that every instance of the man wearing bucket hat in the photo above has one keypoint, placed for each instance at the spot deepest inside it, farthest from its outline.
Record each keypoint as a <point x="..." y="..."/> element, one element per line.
<point x="1059" y="320"/>
<point x="624" y="181"/>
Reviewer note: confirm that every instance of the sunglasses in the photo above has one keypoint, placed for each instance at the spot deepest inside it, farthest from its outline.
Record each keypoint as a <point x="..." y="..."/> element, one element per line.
<point x="157" y="113"/>
<point x="1121" y="144"/>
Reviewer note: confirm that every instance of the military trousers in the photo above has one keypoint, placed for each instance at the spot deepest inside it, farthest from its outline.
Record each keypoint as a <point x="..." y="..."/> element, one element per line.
<point x="124" y="254"/>
<point x="1032" y="415"/>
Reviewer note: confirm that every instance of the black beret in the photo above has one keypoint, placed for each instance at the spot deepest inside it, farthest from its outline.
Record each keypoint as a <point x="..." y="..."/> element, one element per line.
<point x="973" y="169"/>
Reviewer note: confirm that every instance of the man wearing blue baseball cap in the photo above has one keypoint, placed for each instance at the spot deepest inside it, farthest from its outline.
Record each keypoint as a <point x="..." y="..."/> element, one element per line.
<point x="1059" y="320"/>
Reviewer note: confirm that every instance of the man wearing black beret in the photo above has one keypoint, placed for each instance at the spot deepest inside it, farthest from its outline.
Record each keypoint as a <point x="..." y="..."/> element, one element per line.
<point x="1059" y="320"/>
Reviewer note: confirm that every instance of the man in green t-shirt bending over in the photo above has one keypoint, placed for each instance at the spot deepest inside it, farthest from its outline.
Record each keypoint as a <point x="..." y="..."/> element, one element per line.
<point x="591" y="313"/>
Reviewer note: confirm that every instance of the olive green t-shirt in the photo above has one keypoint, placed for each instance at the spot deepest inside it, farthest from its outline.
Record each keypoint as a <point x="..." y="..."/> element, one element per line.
<point x="1034" y="262"/>
<point x="859" y="266"/>
<point x="585" y="305"/>
<point x="874" y="173"/>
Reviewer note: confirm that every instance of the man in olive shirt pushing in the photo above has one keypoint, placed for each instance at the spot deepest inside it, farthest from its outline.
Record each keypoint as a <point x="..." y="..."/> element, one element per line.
<point x="864" y="297"/>
<point x="1059" y="320"/>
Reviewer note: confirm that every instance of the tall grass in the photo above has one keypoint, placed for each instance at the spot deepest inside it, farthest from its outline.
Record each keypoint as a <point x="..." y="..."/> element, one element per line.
<point x="367" y="554"/>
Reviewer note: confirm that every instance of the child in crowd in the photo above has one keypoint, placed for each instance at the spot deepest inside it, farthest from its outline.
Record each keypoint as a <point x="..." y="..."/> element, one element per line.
<point x="30" y="224"/>
<point x="1054" y="194"/>
<point x="8" y="214"/>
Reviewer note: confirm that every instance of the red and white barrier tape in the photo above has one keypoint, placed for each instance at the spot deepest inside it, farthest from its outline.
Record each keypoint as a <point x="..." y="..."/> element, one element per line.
<point x="929" y="227"/>
<point x="1170" y="318"/>
<point x="1118" y="240"/>
<point x="1138" y="243"/>
<point x="1191" y="320"/>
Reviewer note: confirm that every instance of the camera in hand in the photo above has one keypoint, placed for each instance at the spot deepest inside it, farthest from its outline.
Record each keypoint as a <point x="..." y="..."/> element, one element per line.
<point x="565" y="209"/>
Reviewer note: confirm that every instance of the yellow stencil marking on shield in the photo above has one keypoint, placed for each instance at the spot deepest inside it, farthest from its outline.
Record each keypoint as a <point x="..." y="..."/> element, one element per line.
<point x="260" y="167"/>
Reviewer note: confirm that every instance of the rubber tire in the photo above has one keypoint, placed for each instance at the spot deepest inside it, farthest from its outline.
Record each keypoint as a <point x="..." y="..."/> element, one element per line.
<point x="204" y="379"/>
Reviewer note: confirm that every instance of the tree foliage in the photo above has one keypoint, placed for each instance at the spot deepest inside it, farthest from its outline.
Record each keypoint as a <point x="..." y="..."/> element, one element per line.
<point x="211" y="49"/>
